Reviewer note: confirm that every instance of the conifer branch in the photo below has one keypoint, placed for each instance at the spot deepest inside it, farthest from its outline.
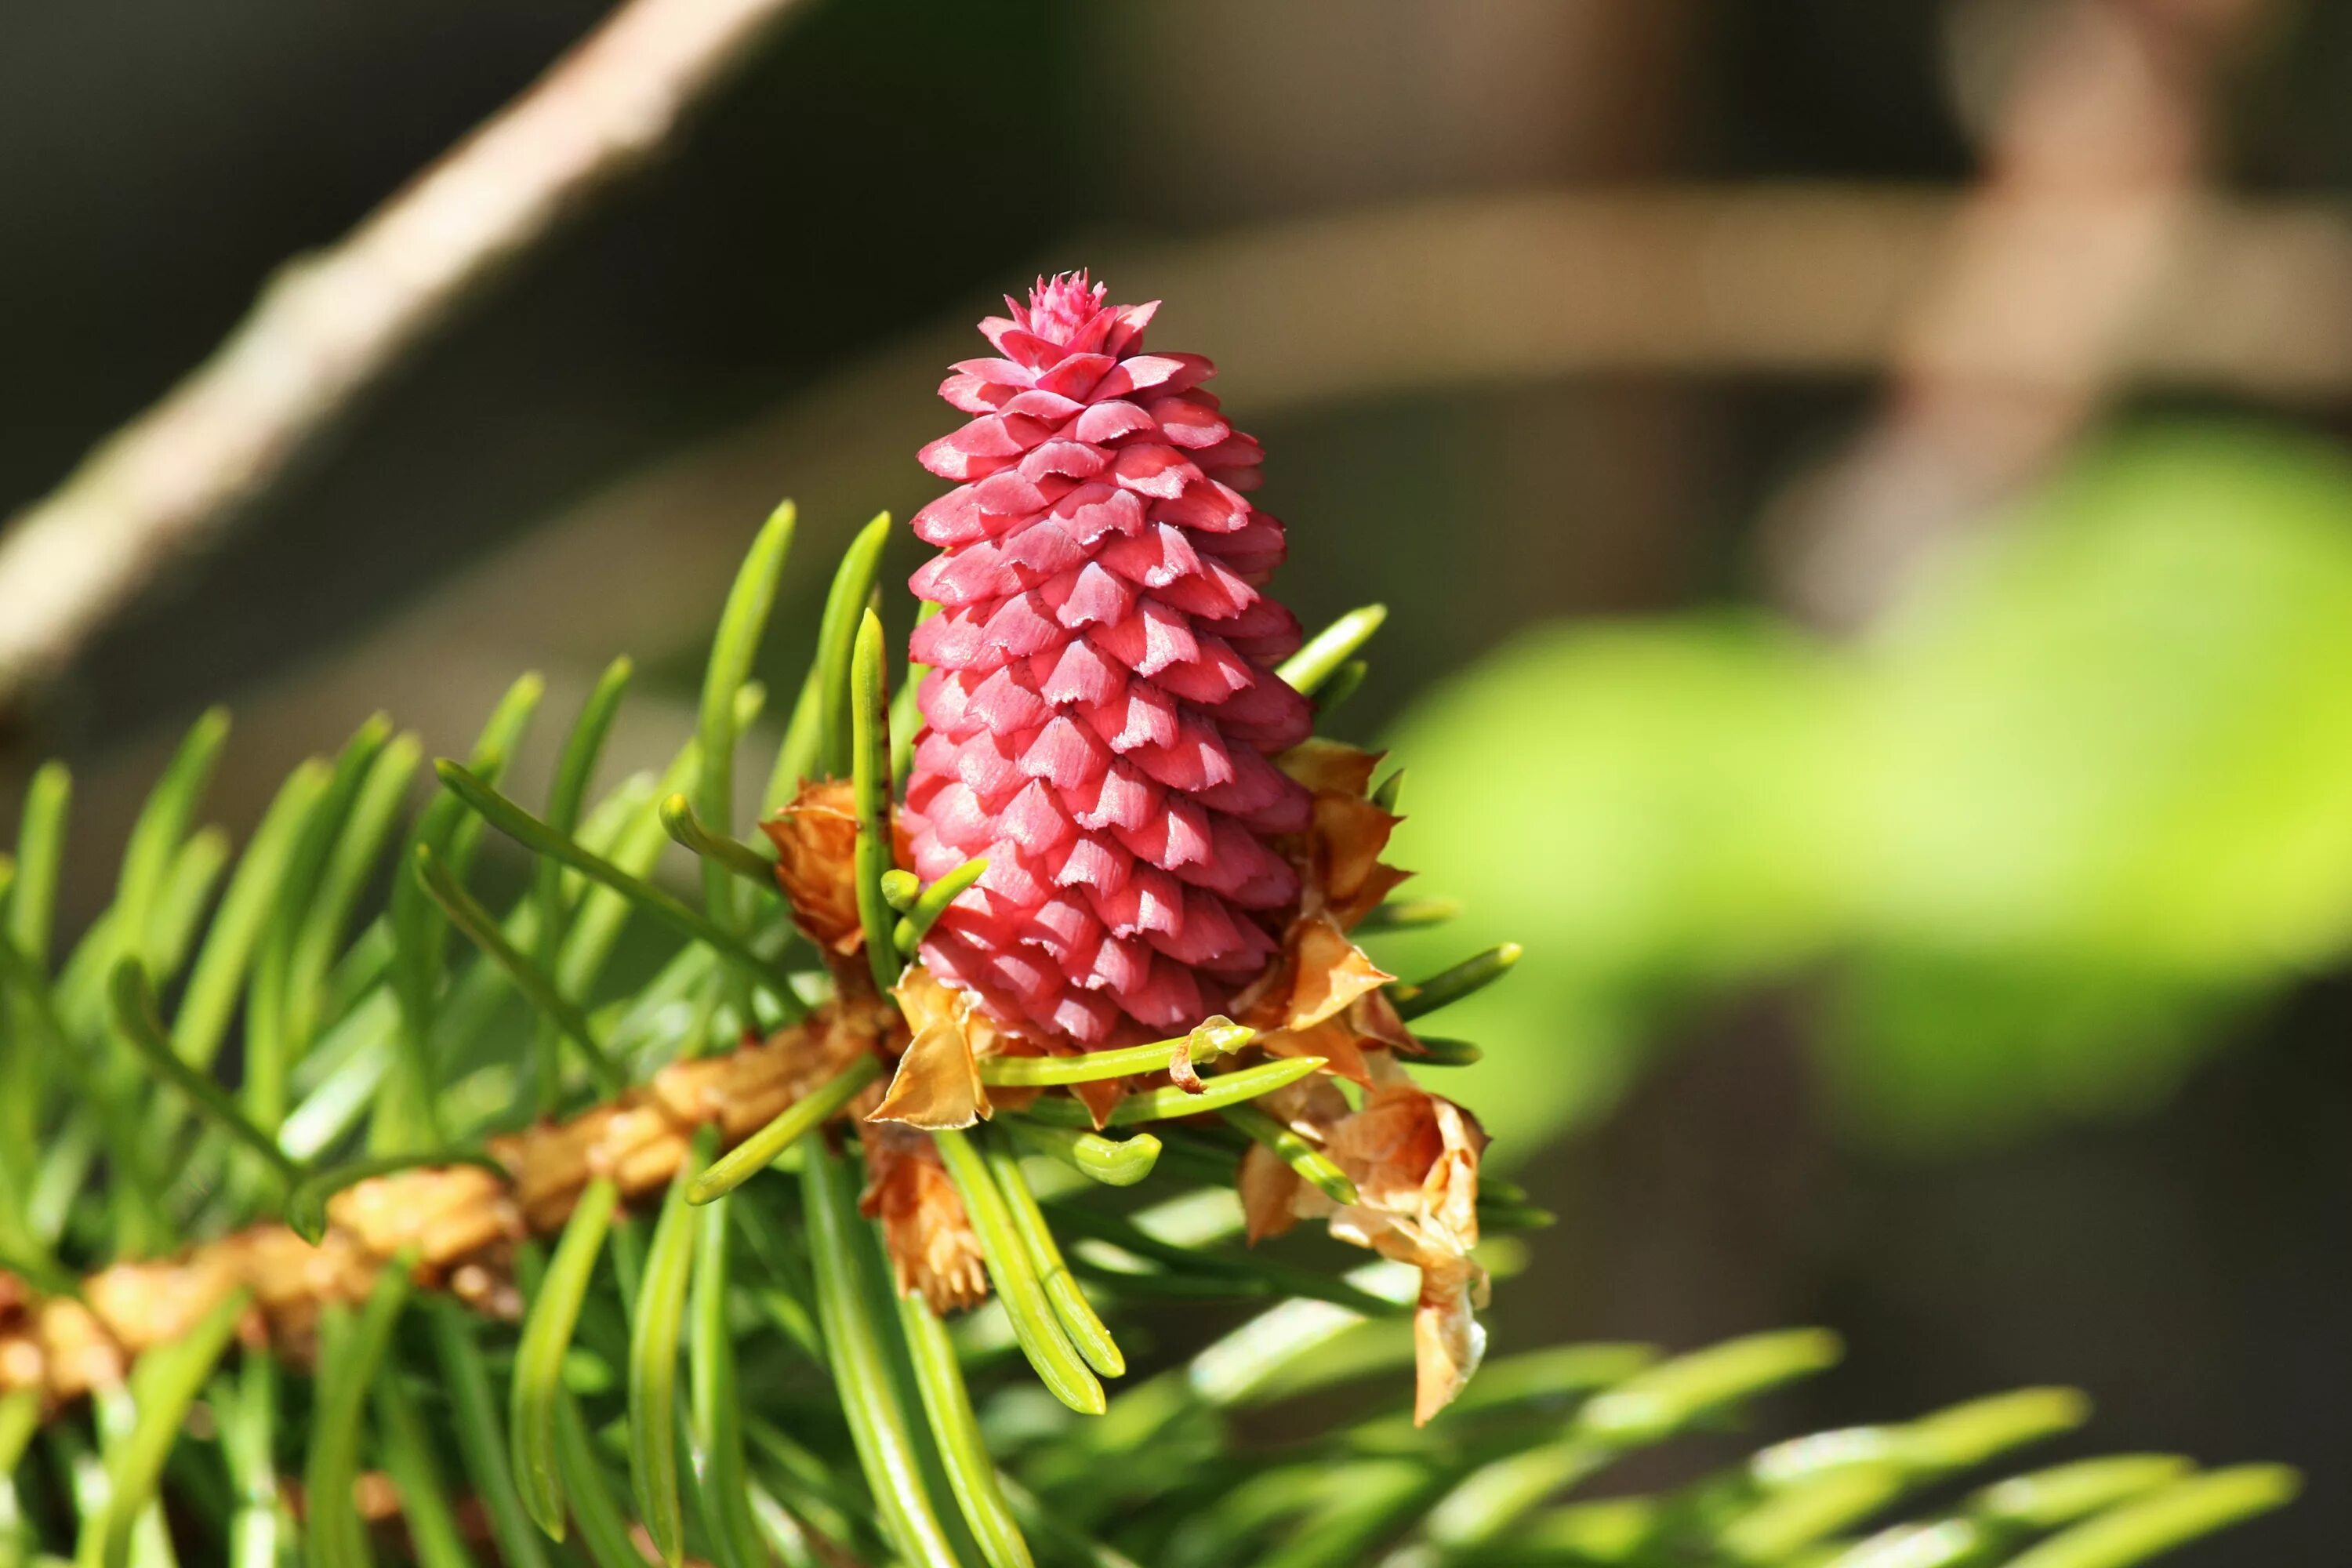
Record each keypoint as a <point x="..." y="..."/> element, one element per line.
<point x="461" y="1222"/>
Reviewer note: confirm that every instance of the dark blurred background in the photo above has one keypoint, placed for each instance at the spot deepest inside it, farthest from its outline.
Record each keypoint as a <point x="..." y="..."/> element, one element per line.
<point x="1860" y="488"/>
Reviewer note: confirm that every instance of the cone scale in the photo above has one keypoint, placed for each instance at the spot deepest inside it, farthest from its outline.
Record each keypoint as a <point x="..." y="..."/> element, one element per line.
<point x="1102" y="705"/>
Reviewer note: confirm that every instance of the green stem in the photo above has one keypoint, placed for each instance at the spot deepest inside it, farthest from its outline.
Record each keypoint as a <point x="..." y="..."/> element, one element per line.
<point x="63" y="1157"/>
<point x="932" y="903"/>
<point x="350" y="864"/>
<point x="758" y="1151"/>
<point x="210" y="1000"/>
<point x="134" y="1013"/>
<point x="30" y="912"/>
<point x="565" y="797"/>
<point x="844" y="604"/>
<point x="1327" y="650"/>
<point x="877" y="1424"/>
<point x="1409" y="914"/>
<point x="1161" y="1104"/>
<point x="742" y="623"/>
<point x="603" y="1530"/>
<point x="1074" y="1545"/>
<point x="248" y="1411"/>
<point x="939" y="1376"/>
<point x="1343" y="684"/>
<point x="338" y="1539"/>
<point x="479" y="1442"/>
<point x="547" y="1332"/>
<point x="870" y="776"/>
<point x="534" y="835"/>
<point x="408" y="1459"/>
<point x="1205" y="1044"/>
<point x="1114" y="1162"/>
<point x="1473" y="973"/>
<point x="481" y="928"/>
<point x="163" y="1385"/>
<point x="1189" y="1264"/>
<point x="2167" y="1518"/>
<point x="717" y="1400"/>
<point x="1078" y="1318"/>
<point x="688" y="831"/>
<point x="1034" y="1322"/>
<point x="1312" y="1164"/>
<point x="655" y="1330"/>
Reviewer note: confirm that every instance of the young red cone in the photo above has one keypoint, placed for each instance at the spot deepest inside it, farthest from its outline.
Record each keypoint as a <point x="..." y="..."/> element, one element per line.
<point x="1102" y="701"/>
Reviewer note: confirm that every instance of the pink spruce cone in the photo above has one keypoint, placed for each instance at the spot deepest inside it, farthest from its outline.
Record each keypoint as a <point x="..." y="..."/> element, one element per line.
<point x="1101" y="700"/>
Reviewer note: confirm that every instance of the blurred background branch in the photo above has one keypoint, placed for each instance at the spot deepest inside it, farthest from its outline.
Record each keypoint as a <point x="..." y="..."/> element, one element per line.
<point x="329" y="327"/>
<point x="2064" y="257"/>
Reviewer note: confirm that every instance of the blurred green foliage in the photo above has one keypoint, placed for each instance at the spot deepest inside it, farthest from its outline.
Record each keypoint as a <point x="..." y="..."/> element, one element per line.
<point x="2084" y="795"/>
